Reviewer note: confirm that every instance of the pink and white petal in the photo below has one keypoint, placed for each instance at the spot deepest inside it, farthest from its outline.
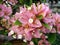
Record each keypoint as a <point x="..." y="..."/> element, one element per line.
<point x="1" y="14"/>
<point x="16" y="30"/>
<point x="28" y="36"/>
<point x="36" y="24"/>
<point x="58" y="28"/>
<point x="37" y="34"/>
<point x="53" y="30"/>
<point x="34" y="9"/>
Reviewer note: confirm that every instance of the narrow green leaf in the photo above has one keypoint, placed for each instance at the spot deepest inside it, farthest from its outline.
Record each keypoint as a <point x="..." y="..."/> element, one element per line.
<point x="27" y="2"/>
<point x="17" y="22"/>
<point x="21" y="1"/>
<point x="1" y="1"/>
<point x="4" y="32"/>
<point x="40" y="17"/>
<point x="7" y="43"/>
<point x="1" y="31"/>
<point x="35" y="1"/>
<point x="44" y="1"/>
<point x="30" y="2"/>
<point x="52" y="37"/>
<point x="35" y="41"/>
<point x="47" y="26"/>
<point x="24" y="43"/>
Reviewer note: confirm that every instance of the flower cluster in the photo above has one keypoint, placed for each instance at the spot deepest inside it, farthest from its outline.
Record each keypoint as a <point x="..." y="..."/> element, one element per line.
<point x="5" y="11"/>
<point x="30" y="22"/>
<point x="34" y="22"/>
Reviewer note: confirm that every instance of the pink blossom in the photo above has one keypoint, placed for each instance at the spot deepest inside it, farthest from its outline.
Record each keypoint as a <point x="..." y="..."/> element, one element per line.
<point x="43" y="42"/>
<point x="28" y="18"/>
<point x="31" y="25"/>
<point x="36" y="23"/>
<point x="56" y="17"/>
<point x="30" y="33"/>
<point x="43" y="10"/>
<point x="40" y="9"/>
<point x="1" y="10"/>
<point x="53" y="30"/>
<point x="5" y="11"/>
<point x="17" y="30"/>
<point x="49" y="20"/>
<point x="45" y="30"/>
<point x="34" y="9"/>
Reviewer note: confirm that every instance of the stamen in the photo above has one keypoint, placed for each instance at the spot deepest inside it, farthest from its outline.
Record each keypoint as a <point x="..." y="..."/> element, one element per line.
<point x="19" y="37"/>
<point x="29" y="8"/>
<point x="30" y="20"/>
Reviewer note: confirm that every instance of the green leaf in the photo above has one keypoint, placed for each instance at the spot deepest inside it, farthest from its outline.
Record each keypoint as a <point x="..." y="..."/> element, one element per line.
<point x="4" y="32"/>
<point x="43" y="1"/>
<point x="30" y="2"/>
<point x="46" y="25"/>
<point x="21" y="1"/>
<point x="35" y="40"/>
<point x="15" y="6"/>
<point x="1" y="1"/>
<point x="17" y="22"/>
<point x="1" y="31"/>
<point x="35" y="1"/>
<point x="24" y="43"/>
<point x="7" y="43"/>
<point x="40" y="17"/>
<point x="27" y="2"/>
<point x="52" y="37"/>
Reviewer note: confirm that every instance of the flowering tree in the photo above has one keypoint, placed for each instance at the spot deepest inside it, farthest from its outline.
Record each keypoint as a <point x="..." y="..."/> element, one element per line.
<point x="34" y="24"/>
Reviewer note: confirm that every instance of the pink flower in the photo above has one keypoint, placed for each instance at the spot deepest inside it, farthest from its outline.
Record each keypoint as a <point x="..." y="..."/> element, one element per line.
<point x="43" y="42"/>
<point x="30" y="33"/>
<point x="1" y="10"/>
<point x="53" y="30"/>
<point x="43" y="10"/>
<point x="23" y="9"/>
<point x="45" y="30"/>
<point x="49" y="20"/>
<point x="40" y="9"/>
<point x="58" y="28"/>
<point x="5" y="11"/>
<point x="36" y="23"/>
<point x="31" y="25"/>
<point x="28" y="18"/>
<point x="34" y="9"/>
<point x="56" y="17"/>
<point x="24" y="17"/>
<point x="17" y="30"/>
